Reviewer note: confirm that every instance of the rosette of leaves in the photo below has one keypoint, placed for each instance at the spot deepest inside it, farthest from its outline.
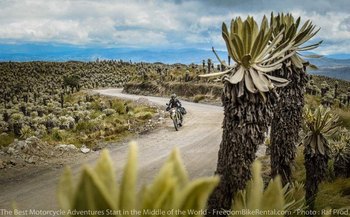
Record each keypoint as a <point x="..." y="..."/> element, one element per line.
<point x="66" y="122"/>
<point x="40" y="110"/>
<point x="50" y="107"/>
<point x="170" y="190"/>
<point x="294" y="196"/>
<point x="34" y="114"/>
<point x="341" y="152"/>
<point x="57" y="111"/>
<point x="320" y="125"/>
<point x="23" y="108"/>
<point x="63" y="122"/>
<point x="109" y="111"/>
<point x="252" y="49"/>
<point x="97" y="124"/>
<point x="51" y="121"/>
<point x="71" y="121"/>
<point x="41" y="131"/>
<point x="3" y="126"/>
<point x="76" y="106"/>
<point x="343" y="99"/>
<point x="324" y="88"/>
<point x="39" y="120"/>
<point x="26" y="132"/>
<point x="78" y="115"/>
<point x="255" y="197"/>
<point x="100" y="117"/>
<point x="86" y="115"/>
<point x="5" y="114"/>
<point x="272" y="198"/>
<point x="294" y="37"/>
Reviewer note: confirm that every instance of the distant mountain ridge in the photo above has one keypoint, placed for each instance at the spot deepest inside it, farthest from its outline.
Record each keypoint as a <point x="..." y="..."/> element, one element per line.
<point x="336" y="68"/>
<point x="44" y="52"/>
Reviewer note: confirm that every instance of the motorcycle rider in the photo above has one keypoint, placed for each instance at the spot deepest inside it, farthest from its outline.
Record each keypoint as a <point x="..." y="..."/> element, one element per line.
<point x="175" y="103"/>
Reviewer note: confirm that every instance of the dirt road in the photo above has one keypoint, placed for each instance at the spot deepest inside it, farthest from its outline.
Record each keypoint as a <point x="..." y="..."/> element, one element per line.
<point x="198" y="141"/>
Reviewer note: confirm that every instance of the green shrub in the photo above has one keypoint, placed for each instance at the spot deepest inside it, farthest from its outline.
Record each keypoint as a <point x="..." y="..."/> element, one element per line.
<point x="143" y="115"/>
<point x="198" y="98"/>
<point x="3" y="126"/>
<point x="118" y="119"/>
<point x="41" y="131"/>
<point x="6" y="139"/>
<point x="57" y="134"/>
<point x="335" y="194"/>
<point x="109" y="112"/>
<point x="95" y="114"/>
<point x="118" y="128"/>
<point x="119" y="106"/>
<point x="16" y="117"/>
<point x="85" y="126"/>
<point x="299" y="173"/>
<point x="312" y="101"/>
<point x="96" y="105"/>
<point x="143" y="109"/>
<point x="330" y="170"/>
<point x="344" y="117"/>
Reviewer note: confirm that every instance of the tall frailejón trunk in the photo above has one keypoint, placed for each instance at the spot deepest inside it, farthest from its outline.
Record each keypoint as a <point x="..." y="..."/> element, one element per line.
<point x="245" y="123"/>
<point x="287" y="121"/>
<point x="316" y="167"/>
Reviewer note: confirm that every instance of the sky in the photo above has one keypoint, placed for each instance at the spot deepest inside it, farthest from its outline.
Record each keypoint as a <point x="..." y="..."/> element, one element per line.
<point x="27" y="25"/>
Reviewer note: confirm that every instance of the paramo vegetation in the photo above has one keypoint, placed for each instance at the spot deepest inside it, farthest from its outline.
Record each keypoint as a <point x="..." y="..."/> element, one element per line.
<point x="48" y="100"/>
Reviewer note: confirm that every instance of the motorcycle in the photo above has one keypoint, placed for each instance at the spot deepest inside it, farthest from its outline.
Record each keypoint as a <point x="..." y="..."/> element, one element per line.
<point x="176" y="116"/>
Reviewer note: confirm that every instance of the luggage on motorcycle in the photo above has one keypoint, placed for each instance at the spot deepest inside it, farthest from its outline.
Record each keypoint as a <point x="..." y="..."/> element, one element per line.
<point x="183" y="110"/>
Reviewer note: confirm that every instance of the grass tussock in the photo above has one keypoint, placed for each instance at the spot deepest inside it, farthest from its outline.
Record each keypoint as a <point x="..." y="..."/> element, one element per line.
<point x="344" y="117"/>
<point x="335" y="194"/>
<point x="312" y="101"/>
<point x="198" y="98"/>
<point x="299" y="173"/>
<point x="6" y="139"/>
<point x="144" y="115"/>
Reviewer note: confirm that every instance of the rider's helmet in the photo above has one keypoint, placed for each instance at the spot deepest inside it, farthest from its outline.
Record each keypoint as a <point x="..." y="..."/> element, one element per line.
<point x="173" y="96"/>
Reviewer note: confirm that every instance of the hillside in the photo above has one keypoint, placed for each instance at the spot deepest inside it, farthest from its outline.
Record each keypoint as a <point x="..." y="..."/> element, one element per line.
<point x="334" y="68"/>
<point x="330" y="67"/>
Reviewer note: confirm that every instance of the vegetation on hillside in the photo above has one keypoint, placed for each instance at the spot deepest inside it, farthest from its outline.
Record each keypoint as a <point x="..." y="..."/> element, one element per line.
<point x="84" y="119"/>
<point x="47" y="100"/>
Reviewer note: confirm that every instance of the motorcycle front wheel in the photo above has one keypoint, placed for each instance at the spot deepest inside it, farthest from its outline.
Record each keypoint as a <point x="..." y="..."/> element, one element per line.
<point x="175" y="120"/>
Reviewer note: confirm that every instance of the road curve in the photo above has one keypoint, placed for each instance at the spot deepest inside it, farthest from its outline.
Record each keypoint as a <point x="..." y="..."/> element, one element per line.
<point x="198" y="141"/>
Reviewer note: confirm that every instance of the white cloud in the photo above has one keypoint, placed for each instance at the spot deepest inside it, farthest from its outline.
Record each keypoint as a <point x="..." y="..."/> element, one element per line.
<point x="67" y="31"/>
<point x="83" y="22"/>
<point x="155" y="22"/>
